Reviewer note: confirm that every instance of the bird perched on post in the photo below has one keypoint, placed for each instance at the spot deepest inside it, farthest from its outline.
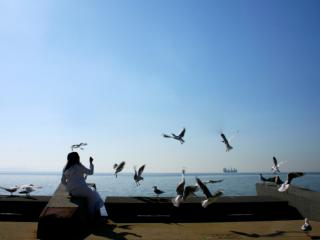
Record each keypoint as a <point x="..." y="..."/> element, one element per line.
<point x="157" y="190"/>
<point x="137" y="175"/>
<point x="179" y="137"/>
<point x="118" y="168"/>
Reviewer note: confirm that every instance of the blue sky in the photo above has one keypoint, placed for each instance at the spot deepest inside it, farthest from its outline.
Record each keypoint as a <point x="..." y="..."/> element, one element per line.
<point x="118" y="74"/>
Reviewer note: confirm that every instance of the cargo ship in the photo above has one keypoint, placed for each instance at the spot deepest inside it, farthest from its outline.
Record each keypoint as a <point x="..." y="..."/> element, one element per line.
<point x="230" y="170"/>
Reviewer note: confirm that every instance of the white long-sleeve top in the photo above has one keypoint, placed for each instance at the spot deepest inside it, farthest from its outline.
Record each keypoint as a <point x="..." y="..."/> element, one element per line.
<point x="74" y="177"/>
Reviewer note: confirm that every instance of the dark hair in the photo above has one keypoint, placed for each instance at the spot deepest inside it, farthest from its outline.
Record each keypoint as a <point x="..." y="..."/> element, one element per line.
<point x="73" y="159"/>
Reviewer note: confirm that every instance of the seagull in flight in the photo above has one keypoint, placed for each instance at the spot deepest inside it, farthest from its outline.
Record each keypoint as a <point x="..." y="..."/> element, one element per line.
<point x="179" y="137"/>
<point x="277" y="180"/>
<point x="284" y="187"/>
<point x="11" y="190"/>
<point x="157" y="190"/>
<point x="189" y="190"/>
<point x="180" y="189"/>
<point x="137" y="175"/>
<point x="276" y="165"/>
<point x="27" y="189"/>
<point x="226" y="142"/>
<point x="80" y="145"/>
<point x="210" y="198"/>
<point x="118" y="167"/>
<point x="212" y="181"/>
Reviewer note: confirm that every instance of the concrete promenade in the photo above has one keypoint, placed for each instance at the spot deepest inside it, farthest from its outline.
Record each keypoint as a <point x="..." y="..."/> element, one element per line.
<point x="202" y="231"/>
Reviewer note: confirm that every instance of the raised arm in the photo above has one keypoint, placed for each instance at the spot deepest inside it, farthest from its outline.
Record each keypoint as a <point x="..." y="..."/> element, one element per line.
<point x="86" y="170"/>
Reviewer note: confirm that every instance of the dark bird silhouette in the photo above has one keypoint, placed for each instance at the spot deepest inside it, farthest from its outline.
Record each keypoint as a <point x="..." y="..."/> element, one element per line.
<point x="210" y="198"/>
<point x="80" y="145"/>
<point x="157" y="190"/>
<point x="180" y="189"/>
<point x="284" y="187"/>
<point x="277" y="180"/>
<point x="119" y="167"/>
<point x="276" y="165"/>
<point x="189" y="190"/>
<point x="11" y="190"/>
<point x="137" y="175"/>
<point x="226" y="142"/>
<point x="179" y="137"/>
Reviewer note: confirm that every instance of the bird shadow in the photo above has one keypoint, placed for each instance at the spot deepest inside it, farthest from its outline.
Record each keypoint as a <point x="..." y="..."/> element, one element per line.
<point x="107" y="231"/>
<point x="256" y="235"/>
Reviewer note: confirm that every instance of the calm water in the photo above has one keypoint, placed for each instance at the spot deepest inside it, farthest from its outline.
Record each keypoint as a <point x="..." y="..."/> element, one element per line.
<point x="107" y="185"/>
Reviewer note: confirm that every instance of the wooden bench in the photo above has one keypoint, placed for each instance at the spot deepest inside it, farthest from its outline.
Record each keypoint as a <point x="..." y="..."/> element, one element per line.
<point x="63" y="217"/>
<point x="239" y="208"/>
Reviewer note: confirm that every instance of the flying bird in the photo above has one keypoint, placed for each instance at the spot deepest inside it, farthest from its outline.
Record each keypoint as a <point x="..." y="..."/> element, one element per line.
<point x="27" y="189"/>
<point x="210" y="198"/>
<point x="276" y="165"/>
<point x="212" y="181"/>
<point x="179" y="137"/>
<point x="226" y="142"/>
<point x="277" y="180"/>
<point x="157" y="190"/>
<point x="80" y="145"/>
<point x="119" y="167"/>
<point x="11" y="190"/>
<point x="189" y="190"/>
<point x="137" y="175"/>
<point x="284" y="187"/>
<point x="180" y="189"/>
<point x="306" y="227"/>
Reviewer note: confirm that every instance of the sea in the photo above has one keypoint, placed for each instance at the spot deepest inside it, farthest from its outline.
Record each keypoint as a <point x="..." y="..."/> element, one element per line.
<point x="233" y="184"/>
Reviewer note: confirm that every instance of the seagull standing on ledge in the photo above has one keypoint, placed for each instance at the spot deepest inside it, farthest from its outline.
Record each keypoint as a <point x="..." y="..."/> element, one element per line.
<point x="306" y="227"/>
<point x="226" y="142"/>
<point x="119" y="167"/>
<point x="11" y="190"/>
<point x="157" y="190"/>
<point x="27" y="189"/>
<point x="180" y="189"/>
<point x="210" y="197"/>
<point x="284" y="187"/>
<point x="179" y="137"/>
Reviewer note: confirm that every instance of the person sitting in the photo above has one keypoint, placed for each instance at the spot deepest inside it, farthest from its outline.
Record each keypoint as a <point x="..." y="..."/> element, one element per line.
<point x="74" y="178"/>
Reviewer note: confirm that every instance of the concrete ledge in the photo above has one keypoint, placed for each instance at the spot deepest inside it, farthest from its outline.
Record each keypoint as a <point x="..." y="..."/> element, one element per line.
<point x="242" y="208"/>
<point x="307" y="202"/>
<point x="21" y="208"/>
<point x="63" y="217"/>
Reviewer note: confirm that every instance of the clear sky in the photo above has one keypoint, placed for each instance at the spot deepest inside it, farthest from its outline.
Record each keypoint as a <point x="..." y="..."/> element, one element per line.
<point x="118" y="74"/>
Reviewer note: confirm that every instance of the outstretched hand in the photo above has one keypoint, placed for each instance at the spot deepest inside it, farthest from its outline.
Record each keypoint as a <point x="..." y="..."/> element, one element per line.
<point x="91" y="159"/>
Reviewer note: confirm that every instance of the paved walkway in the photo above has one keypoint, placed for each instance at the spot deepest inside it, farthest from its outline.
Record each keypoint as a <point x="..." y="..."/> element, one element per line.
<point x="185" y="231"/>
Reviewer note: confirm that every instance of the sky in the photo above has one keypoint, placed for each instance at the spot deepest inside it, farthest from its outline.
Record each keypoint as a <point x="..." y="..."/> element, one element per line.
<point x="119" y="74"/>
